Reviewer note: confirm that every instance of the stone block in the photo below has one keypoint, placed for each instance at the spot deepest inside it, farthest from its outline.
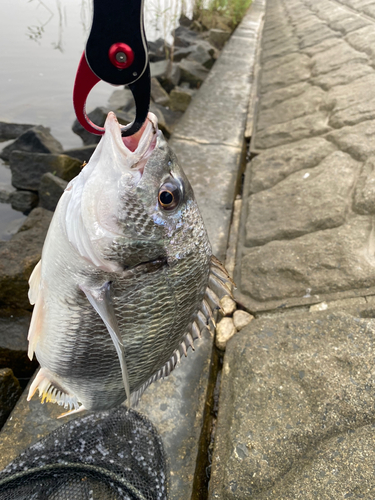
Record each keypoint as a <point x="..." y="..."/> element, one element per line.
<point x="19" y="256"/>
<point x="326" y="265"/>
<point x="180" y="99"/>
<point x="13" y="130"/>
<point x="14" y="327"/>
<point x="358" y="140"/>
<point x="296" y="410"/>
<point x="363" y="40"/>
<point x="10" y="391"/>
<point x="326" y="44"/>
<point x="82" y="154"/>
<point x="292" y="131"/>
<point x="311" y="101"/>
<point x="183" y="36"/>
<point x="218" y="37"/>
<point x="24" y="201"/>
<point x="203" y="53"/>
<point x="35" y="140"/>
<point x="333" y="58"/>
<point x="309" y="200"/>
<point x="182" y="52"/>
<point x="342" y="97"/>
<point x="6" y="191"/>
<point x="28" y="168"/>
<point x="97" y="116"/>
<point x="342" y="75"/>
<point x="357" y="113"/>
<point x="296" y="71"/>
<point x="275" y="164"/>
<point x="275" y="97"/>
<point x="158" y="94"/>
<point x="192" y="72"/>
<point x="50" y="190"/>
<point x="157" y="49"/>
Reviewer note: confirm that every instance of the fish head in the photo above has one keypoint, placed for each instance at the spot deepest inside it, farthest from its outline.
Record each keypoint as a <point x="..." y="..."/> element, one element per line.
<point x="135" y="202"/>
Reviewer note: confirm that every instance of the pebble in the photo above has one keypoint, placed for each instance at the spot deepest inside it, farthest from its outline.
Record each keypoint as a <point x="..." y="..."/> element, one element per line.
<point x="224" y="332"/>
<point x="241" y="319"/>
<point x="228" y="305"/>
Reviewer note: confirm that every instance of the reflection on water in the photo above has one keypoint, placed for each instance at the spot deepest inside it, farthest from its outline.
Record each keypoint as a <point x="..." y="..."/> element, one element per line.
<point x="44" y="41"/>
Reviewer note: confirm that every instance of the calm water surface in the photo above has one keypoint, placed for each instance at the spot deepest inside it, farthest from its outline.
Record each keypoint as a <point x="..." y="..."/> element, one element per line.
<point x="41" y="44"/>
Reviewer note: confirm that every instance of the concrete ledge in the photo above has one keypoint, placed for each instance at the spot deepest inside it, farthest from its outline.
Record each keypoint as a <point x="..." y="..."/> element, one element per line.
<point x="209" y="142"/>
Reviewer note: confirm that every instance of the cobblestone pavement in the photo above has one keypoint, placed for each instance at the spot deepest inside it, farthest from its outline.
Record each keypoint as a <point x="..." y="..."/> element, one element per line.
<point x="297" y="403"/>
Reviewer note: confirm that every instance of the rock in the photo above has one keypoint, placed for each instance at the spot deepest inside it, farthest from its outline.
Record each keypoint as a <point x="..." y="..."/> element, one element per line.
<point x="275" y="164"/>
<point x="122" y="98"/>
<point x="12" y="130"/>
<point x="28" y="168"/>
<point x="306" y="201"/>
<point x="364" y="196"/>
<point x="82" y="154"/>
<point x="35" y="140"/>
<point x="225" y="330"/>
<point x="292" y="131"/>
<point x="10" y="391"/>
<point x="311" y="101"/>
<point x="241" y="319"/>
<point x="363" y="111"/>
<point x="6" y="191"/>
<point x="160" y="69"/>
<point x="24" y="201"/>
<point x="158" y="94"/>
<point x="342" y="75"/>
<point x="50" y="190"/>
<point x="97" y="116"/>
<point x="358" y="140"/>
<point x="322" y="306"/>
<point x="337" y="56"/>
<point x="166" y="117"/>
<point x="14" y="327"/>
<point x="288" y="73"/>
<point x="218" y="38"/>
<point x="193" y="72"/>
<point x="157" y="50"/>
<point x="296" y="410"/>
<point x="180" y="99"/>
<point x="19" y="256"/>
<point x="228" y="305"/>
<point x="326" y="265"/>
<point x="182" y="52"/>
<point x="183" y="37"/>
<point x="343" y="97"/>
<point x="184" y="21"/>
<point x="275" y="97"/>
<point x="203" y="53"/>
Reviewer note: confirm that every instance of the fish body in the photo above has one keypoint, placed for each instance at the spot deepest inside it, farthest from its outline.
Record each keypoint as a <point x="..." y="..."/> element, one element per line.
<point x="121" y="289"/>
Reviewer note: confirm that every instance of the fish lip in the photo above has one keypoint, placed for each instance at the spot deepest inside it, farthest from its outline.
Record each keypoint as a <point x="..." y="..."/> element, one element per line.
<point x="141" y="143"/>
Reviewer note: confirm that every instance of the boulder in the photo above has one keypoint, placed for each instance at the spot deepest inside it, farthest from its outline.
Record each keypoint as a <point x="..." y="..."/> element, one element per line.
<point x="28" y="168"/>
<point x="167" y="118"/>
<point x="241" y="319"/>
<point x="183" y="37"/>
<point x="50" y="189"/>
<point x="14" y="327"/>
<point x="224" y="332"/>
<point x="24" y="201"/>
<point x="180" y="99"/>
<point x="167" y="73"/>
<point x="203" y="53"/>
<point x="160" y="69"/>
<point x="192" y="72"/>
<point x="82" y="154"/>
<point x="19" y="256"/>
<point x="6" y="191"/>
<point x="121" y="99"/>
<point x="156" y="50"/>
<point x="182" y="52"/>
<point x="228" y="305"/>
<point x="12" y="130"/>
<point x="218" y="37"/>
<point x="35" y="140"/>
<point x="97" y="116"/>
<point x="184" y="21"/>
<point x="10" y="391"/>
<point x="158" y="94"/>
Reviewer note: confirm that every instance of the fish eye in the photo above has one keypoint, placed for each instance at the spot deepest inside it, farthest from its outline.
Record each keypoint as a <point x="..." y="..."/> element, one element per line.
<point x="169" y="196"/>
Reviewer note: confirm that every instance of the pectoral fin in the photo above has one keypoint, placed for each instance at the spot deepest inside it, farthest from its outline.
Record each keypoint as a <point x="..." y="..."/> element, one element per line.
<point x="100" y="299"/>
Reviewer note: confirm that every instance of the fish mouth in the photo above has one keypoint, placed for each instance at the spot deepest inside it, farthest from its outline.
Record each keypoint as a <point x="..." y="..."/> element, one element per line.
<point x="138" y="147"/>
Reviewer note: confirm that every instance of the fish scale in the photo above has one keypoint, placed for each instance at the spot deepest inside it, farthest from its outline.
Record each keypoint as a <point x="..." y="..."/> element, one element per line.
<point x="121" y="292"/>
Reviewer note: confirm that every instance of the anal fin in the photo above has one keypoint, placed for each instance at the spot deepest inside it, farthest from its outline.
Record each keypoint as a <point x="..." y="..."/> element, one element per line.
<point x="100" y="299"/>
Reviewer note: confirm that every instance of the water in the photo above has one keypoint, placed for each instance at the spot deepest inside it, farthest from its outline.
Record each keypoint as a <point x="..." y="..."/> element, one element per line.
<point x="42" y="42"/>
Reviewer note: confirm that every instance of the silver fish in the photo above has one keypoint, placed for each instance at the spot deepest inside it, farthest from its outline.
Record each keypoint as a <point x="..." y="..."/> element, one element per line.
<point x="126" y="281"/>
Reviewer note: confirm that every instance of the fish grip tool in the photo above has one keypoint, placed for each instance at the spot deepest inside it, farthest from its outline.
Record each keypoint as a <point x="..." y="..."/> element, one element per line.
<point x="112" y="455"/>
<point x="116" y="52"/>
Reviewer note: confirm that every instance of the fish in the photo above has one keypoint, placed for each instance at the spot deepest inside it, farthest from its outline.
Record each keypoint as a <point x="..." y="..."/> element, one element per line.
<point x="127" y="281"/>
